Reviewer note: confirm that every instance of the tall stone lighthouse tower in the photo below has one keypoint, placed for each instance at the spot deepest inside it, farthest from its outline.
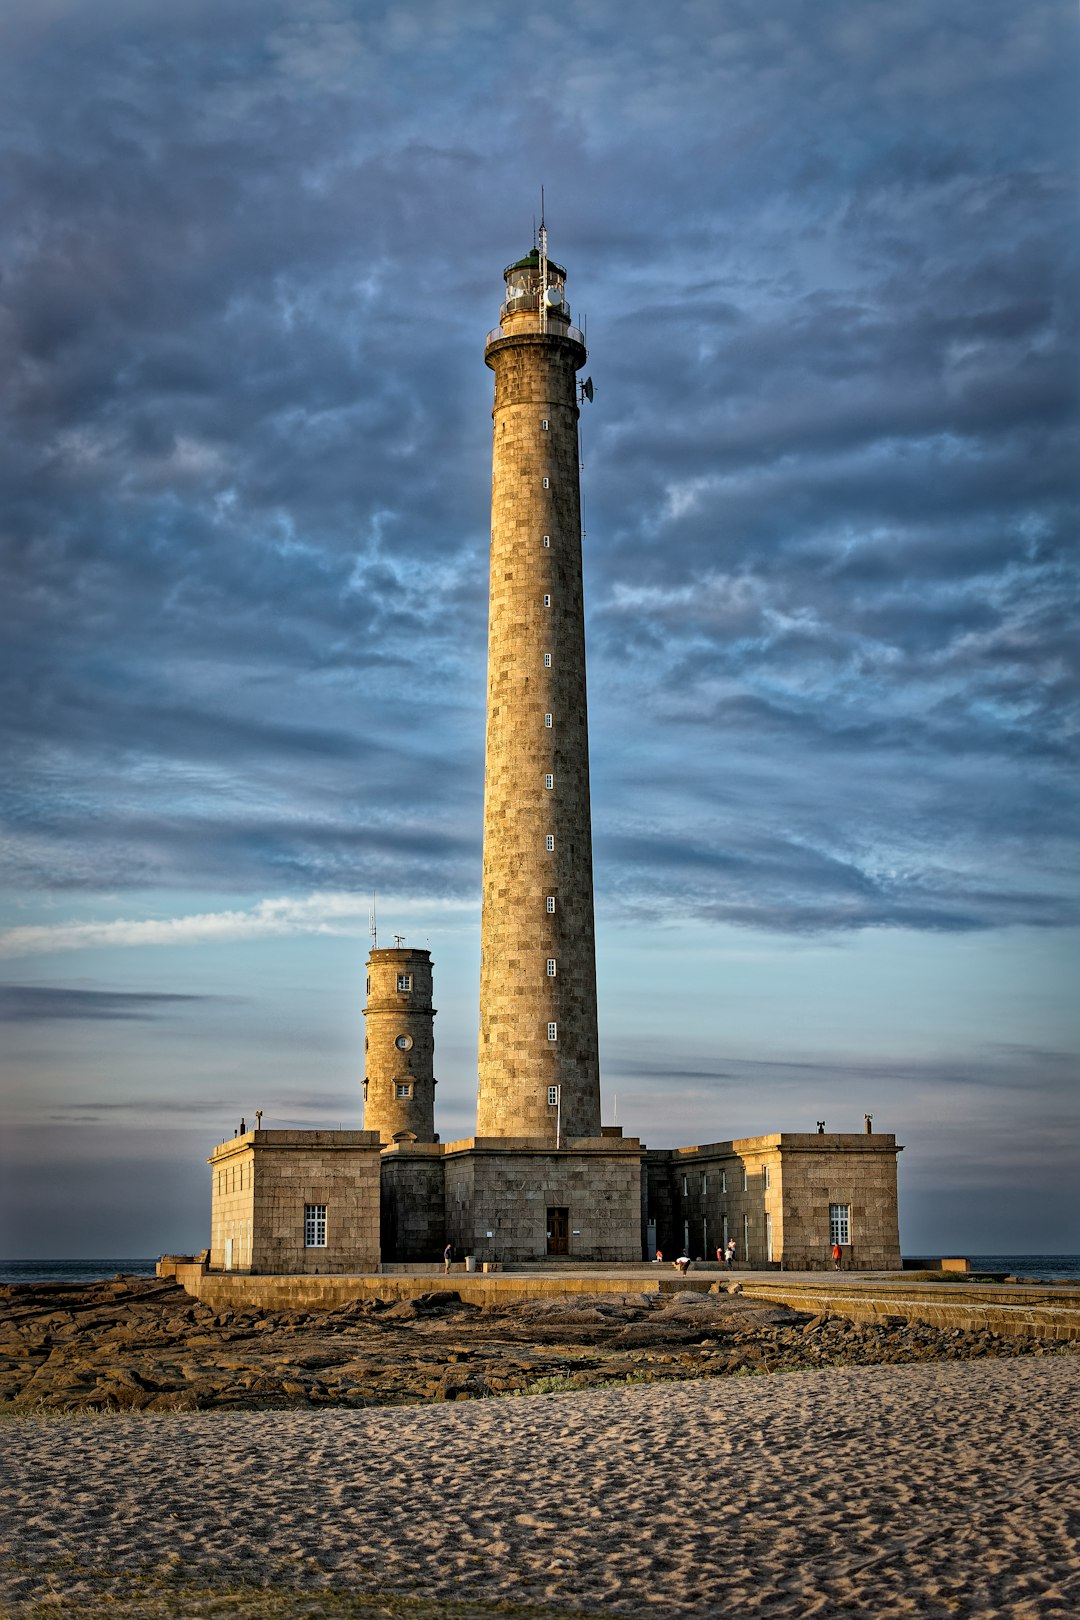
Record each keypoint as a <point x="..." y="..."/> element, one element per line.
<point x="538" y="1064"/>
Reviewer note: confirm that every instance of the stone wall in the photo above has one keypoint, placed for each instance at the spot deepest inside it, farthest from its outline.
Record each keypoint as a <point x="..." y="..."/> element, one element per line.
<point x="232" y="1204"/>
<point x="508" y="1188"/>
<point x="859" y="1171"/>
<point x="772" y="1194"/>
<point x="265" y="1179"/>
<point x="1035" y="1310"/>
<point x="413" y="1204"/>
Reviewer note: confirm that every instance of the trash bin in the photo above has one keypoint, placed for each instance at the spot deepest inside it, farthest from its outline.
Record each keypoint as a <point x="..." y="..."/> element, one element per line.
<point x="470" y="1263"/>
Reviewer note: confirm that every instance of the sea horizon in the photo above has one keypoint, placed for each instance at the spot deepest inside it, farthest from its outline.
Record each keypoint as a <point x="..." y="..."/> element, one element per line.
<point x="1048" y="1267"/>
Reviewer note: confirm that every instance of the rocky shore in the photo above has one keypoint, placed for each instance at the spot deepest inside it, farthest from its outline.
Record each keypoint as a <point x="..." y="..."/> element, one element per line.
<point x="134" y="1344"/>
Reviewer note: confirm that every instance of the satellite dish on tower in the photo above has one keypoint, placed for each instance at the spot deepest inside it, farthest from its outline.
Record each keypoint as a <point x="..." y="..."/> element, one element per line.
<point x="552" y="296"/>
<point x="587" y="390"/>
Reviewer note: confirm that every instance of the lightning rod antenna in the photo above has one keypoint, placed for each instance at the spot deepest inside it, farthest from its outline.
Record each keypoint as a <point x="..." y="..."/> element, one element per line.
<point x="543" y="265"/>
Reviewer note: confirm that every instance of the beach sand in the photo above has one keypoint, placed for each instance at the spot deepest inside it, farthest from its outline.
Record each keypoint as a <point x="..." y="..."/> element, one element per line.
<point x="927" y="1490"/>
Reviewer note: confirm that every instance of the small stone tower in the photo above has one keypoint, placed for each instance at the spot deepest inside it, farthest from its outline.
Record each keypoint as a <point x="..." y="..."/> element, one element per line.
<point x="399" y="1046"/>
<point x="538" y="1062"/>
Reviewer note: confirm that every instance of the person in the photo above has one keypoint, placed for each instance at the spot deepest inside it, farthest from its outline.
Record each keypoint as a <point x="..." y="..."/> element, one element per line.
<point x="447" y="1256"/>
<point x="682" y="1264"/>
<point x="659" y="1257"/>
<point x="729" y="1254"/>
<point x="837" y="1256"/>
<point x="720" y="1256"/>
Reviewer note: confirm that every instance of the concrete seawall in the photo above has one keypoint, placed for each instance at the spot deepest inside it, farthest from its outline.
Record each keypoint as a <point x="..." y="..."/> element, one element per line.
<point x="1035" y="1310"/>
<point x="1045" y="1311"/>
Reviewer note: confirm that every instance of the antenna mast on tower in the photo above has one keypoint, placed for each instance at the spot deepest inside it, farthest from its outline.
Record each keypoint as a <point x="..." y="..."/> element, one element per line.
<point x="543" y="265"/>
<point x="373" y="929"/>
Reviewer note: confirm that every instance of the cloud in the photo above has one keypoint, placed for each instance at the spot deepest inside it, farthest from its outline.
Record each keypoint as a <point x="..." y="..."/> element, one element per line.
<point x="42" y="1003"/>
<point x="336" y="914"/>
<point x="829" y="472"/>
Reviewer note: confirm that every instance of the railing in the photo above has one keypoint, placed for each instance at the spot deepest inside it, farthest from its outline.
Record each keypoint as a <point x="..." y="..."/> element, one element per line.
<point x="571" y="332"/>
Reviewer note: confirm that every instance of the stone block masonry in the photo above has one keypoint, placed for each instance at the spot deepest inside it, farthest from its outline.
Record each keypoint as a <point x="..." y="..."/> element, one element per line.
<point x="510" y="1201"/>
<point x="295" y="1201"/>
<point x="538" y="1060"/>
<point x="399" y="1046"/>
<point x="781" y="1198"/>
<point x="413" y="1203"/>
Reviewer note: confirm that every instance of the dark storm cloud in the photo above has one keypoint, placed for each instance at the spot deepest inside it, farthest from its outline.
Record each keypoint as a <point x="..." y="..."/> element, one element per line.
<point x="43" y="1003"/>
<point x="248" y="260"/>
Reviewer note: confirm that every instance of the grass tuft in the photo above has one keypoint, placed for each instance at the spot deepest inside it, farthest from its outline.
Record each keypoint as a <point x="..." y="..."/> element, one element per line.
<point x="205" y="1603"/>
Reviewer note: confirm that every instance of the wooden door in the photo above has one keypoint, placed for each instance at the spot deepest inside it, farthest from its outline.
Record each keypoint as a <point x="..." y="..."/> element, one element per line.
<point x="558" y="1231"/>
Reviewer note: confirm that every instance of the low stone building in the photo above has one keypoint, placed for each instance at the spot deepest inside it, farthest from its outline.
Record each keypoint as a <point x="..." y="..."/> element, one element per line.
<point x="785" y="1199"/>
<point x="340" y="1202"/>
<point x="295" y="1202"/>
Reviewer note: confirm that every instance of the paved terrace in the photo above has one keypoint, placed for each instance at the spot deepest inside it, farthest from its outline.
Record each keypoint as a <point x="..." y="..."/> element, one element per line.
<point x="1042" y="1310"/>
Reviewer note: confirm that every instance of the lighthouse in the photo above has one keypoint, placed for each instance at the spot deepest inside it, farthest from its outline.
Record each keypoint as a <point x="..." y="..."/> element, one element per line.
<point x="538" y="1065"/>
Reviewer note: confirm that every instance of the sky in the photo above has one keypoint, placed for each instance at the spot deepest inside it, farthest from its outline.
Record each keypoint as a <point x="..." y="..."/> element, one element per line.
<point x="826" y="257"/>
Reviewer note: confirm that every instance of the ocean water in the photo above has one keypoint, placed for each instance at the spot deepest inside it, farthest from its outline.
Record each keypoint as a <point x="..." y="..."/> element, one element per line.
<point x="1049" y="1266"/>
<point x="1052" y="1267"/>
<point x="73" y="1271"/>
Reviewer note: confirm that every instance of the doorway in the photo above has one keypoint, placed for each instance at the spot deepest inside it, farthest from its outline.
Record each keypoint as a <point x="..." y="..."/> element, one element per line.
<point x="558" y="1231"/>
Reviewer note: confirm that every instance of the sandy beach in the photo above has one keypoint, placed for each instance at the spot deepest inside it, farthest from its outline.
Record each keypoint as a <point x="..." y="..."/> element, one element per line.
<point x="926" y="1490"/>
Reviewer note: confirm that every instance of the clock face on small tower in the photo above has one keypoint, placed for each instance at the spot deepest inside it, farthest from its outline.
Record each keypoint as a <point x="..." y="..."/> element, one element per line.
<point x="403" y="1043"/>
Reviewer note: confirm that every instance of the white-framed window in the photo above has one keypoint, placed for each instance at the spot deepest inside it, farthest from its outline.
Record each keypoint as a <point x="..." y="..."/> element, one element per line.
<point x="543" y="424"/>
<point x="547" y="721"/>
<point x="547" y="483"/>
<point x="404" y="981"/>
<point x="547" y="660"/>
<point x="704" y="1183"/>
<point x="840" y="1224"/>
<point x="314" y="1226"/>
<point x="723" y="1181"/>
<point x="547" y="539"/>
<point x="685" y="1187"/>
<point x="553" y="1096"/>
<point x="551" y="967"/>
<point x="549" y="842"/>
<point x="549" y="781"/>
<point x="746" y="1237"/>
<point x="550" y="904"/>
<point x="403" y="1088"/>
<point x="766" y="1179"/>
<point x="745" y="1182"/>
<point x="547" y="600"/>
<point x="553" y="1032"/>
